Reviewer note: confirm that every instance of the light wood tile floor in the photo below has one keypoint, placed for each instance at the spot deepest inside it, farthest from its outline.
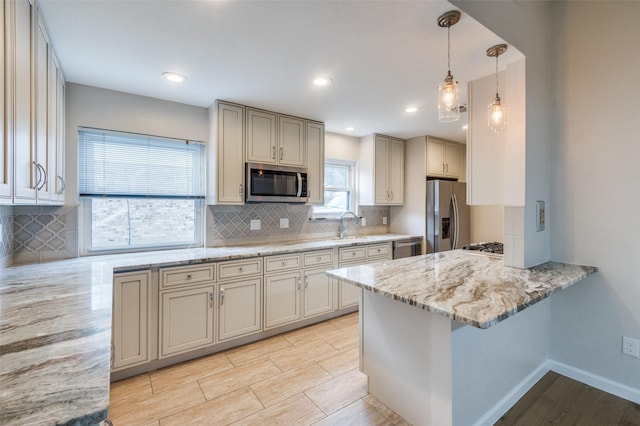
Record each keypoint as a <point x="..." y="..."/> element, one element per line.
<point x="308" y="376"/>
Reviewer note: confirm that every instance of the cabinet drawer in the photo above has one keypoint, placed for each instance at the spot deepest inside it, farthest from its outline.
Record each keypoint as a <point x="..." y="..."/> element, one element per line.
<point x="239" y="268"/>
<point x="316" y="258"/>
<point x="352" y="253"/>
<point x="378" y="250"/>
<point x="282" y="263"/>
<point x="184" y="275"/>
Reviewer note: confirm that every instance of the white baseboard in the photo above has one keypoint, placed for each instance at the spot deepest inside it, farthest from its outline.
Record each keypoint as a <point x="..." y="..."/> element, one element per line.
<point x="599" y="382"/>
<point x="495" y="412"/>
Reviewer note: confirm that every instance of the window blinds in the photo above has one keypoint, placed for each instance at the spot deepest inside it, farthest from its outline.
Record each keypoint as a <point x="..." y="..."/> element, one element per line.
<point x="132" y="165"/>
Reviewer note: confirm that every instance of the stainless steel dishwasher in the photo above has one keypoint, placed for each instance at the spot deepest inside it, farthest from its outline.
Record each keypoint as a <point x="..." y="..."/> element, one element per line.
<point x="407" y="248"/>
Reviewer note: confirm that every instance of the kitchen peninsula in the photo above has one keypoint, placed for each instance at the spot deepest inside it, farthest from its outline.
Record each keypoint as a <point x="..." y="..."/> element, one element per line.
<point x="434" y="340"/>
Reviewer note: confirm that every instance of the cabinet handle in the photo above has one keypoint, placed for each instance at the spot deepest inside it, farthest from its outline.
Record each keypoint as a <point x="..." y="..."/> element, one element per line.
<point x="46" y="177"/>
<point x="221" y="296"/>
<point x="447" y="165"/>
<point x="211" y="299"/>
<point x="443" y="168"/>
<point x="353" y="253"/>
<point x="273" y="152"/>
<point x="189" y="276"/>
<point x="284" y="263"/>
<point x="299" y="282"/>
<point x="38" y="175"/>
<point x="306" y="281"/>
<point x="241" y="190"/>
<point x="281" y="153"/>
<point x="63" y="186"/>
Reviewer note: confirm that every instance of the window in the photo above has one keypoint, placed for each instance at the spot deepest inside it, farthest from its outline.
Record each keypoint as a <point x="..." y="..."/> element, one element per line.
<point x="139" y="192"/>
<point x="338" y="189"/>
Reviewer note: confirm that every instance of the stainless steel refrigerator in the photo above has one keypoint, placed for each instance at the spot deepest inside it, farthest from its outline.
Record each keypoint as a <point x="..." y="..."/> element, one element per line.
<point x="448" y="216"/>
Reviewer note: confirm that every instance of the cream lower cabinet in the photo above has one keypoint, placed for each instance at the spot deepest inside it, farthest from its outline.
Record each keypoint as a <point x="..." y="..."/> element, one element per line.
<point x="282" y="299"/>
<point x="239" y="298"/>
<point x="132" y="320"/>
<point x="186" y="319"/>
<point x="318" y="292"/>
<point x="353" y="256"/>
<point x="240" y="310"/>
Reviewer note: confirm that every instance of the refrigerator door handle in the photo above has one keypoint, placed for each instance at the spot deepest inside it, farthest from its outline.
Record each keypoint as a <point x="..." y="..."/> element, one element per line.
<point x="456" y="222"/>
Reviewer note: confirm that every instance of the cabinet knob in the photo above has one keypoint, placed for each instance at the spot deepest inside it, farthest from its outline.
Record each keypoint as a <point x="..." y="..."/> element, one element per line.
<point x="240" y="269"/>
<point x="188" y="276"/>
<point x="284" y="263"/>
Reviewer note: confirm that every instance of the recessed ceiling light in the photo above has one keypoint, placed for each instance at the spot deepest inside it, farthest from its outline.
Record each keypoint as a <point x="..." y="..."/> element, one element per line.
<point x="174" y="76"/>
<point x="322" y="81"/>
<point x="349" y="129"/>
<point x="411" y="109"/>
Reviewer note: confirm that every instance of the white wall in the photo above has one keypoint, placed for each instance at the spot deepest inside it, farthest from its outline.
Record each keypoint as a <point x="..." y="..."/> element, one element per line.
<point x="596" y="184"/>
<point x="107" y="109"/>
<point x="341" y="147"/>
<point x="526" y="26"/>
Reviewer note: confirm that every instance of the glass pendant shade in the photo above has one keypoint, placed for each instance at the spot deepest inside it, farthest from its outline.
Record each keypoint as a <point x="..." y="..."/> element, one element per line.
<point x="448" y="100"/>
<point x="497" y="116"/>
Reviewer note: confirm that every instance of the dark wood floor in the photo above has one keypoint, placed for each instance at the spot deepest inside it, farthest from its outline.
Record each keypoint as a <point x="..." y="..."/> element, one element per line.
<point x="558" y="400"/>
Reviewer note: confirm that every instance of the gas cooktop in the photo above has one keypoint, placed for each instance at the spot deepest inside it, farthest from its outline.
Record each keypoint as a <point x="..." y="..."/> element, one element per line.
<point x="484" y="247"/>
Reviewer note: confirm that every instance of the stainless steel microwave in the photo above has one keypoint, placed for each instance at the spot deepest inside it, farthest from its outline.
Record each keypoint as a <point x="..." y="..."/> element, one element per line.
<point x="267" y="183"/>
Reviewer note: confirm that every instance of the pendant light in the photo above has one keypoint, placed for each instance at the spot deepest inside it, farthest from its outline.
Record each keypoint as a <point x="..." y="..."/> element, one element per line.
<point x="448" y="92"/>
<point x="497" y="113"/>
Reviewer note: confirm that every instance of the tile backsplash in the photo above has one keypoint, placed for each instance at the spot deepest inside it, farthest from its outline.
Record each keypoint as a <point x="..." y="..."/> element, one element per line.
<point x="228" y="225"/>
<point x="43" y="233"/>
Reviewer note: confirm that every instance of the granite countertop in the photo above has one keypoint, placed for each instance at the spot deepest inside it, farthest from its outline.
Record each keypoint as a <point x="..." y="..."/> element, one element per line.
<point x="473" y="289"/>
<point x="55" y="327"/>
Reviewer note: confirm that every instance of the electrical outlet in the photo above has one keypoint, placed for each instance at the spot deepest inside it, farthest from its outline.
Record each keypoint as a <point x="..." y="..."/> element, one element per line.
<point x="631" y="346"/>
<point x="284" y="222"/>
<point x="363" y="221"/>
<point x="384" y="220"/>
<point x="254" y="225"/>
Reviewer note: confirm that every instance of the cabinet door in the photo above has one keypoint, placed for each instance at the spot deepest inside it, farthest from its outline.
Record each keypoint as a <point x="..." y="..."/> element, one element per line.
<point x="318" y="293"/>
<point x="24" y="138"/>
<point x="396" y="172"/>
<point x="239" y="308"/>
<point x="230" y="158"/>
<point x="281" y="299"/>
<point x="261" y="137"/>
<point x="6" y="105"/>
<point x="41" y="112"/>
<point x="381" y="169"/>
<point x="55" y="128"/>
<point x="349" y="295"/>
<point x="291" y="141"/>
<point x="315" y="163"/>
<point x="131" y="319"/>
<point x="186" y="319"/>
<point x="450" y="155"/>
<point x="435" y="155"/>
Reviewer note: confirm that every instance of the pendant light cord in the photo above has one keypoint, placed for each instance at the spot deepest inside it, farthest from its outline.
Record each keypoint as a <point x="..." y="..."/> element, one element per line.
<point x="449" y="48"/>
<point x="497" y="75"/>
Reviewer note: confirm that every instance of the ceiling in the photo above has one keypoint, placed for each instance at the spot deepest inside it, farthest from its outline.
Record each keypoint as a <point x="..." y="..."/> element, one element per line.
<point x="382" y="56"/>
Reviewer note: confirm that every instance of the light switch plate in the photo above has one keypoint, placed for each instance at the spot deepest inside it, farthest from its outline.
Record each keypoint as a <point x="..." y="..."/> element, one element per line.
<point x="284" y="222"/>
<point x="254" y="225"/>
<point x="540" y="215"/>
<point x="363" y="221"/>
<point x="384" y="220"/>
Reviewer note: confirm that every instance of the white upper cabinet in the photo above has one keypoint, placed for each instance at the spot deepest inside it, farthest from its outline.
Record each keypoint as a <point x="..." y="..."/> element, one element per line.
<point x="315" y="162"/>
<point x="292" y="145"/>
<point x="496" y="163"/>
<point x="6" y="145"/>
<point x="275" y="139"/>
<point x="32" y="170"/>
<point x="262" y="143"/>
<point x="442" y="158"/>
<point x="381" y="170"/>
<point x="225" y="154"/>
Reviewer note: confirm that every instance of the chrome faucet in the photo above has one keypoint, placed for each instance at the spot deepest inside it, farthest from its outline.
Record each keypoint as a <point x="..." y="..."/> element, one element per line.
<point x="342" y="231"/>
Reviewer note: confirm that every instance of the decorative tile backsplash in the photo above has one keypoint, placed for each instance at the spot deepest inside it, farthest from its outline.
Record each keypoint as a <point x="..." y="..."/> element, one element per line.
<point x="228" y="225"/>
<point x="41" y="233"/>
